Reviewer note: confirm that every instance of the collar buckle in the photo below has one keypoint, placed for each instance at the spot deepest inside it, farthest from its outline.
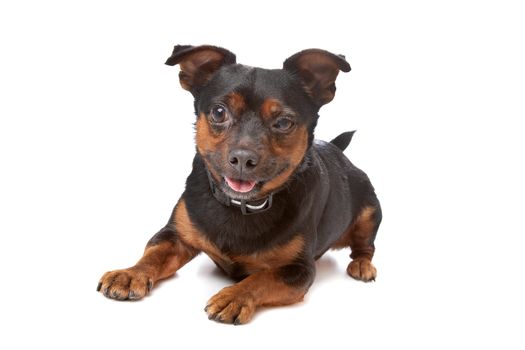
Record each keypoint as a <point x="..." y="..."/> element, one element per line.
<point x="250" y="209"/>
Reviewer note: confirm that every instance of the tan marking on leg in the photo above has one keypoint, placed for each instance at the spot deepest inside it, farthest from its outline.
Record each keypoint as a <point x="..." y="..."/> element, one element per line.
<point x="158" y="262"/>
<point x="359" y="232"/>
<point x="237" y="304"/>
<point x="358" y="237"/>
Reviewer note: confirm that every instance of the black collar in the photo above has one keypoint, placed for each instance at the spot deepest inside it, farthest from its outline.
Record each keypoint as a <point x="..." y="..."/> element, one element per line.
<point x="247" y="208"/>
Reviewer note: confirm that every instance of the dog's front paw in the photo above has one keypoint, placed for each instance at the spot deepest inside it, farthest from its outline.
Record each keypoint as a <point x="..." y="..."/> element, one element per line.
<point x="231" y="305"/>
<point x="127" y="284"/>
<point x="362" y="269"/>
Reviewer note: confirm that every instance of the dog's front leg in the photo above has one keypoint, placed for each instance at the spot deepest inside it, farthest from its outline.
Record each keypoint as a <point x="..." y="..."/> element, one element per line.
<point x="165" y="253"/>
<point x="281" y="286"/>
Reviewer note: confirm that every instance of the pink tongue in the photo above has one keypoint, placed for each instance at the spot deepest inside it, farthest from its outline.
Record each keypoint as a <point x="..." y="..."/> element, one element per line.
<point x="240" y="185"/>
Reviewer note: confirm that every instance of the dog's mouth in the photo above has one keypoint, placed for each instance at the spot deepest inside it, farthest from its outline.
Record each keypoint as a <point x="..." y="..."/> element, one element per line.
<point x="241" y="186"/>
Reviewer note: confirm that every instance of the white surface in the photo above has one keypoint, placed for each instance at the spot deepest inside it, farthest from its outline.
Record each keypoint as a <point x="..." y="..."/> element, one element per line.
<point x="96" y="141"/>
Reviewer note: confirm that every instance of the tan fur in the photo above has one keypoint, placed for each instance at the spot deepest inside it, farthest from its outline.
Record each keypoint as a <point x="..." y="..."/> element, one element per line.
<point x="236" y="103"/>
<point x="208" y="141"/>
<point x="269" y="108"/>
<point x="293" y="149"/>
<point x="359" y="231"/>
<point x="358" y="237"/>
<point x="272" y="258"/>
<point x="158" y="262"/>
<point x="190" y="235"/>
<point x="237" y="303"/>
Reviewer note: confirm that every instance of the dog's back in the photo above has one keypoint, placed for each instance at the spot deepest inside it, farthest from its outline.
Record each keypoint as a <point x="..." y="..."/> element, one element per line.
<point x="346" y="191"/>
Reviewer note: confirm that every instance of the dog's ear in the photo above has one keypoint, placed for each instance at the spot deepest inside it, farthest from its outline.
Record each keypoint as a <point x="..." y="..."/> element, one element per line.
<point x="318" y="70"/>
<point x="198" y="64"/>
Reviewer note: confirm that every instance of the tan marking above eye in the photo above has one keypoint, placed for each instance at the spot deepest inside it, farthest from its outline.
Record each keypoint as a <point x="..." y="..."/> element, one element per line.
<point x="236" y="103"/>
<point x="270" y="107"/>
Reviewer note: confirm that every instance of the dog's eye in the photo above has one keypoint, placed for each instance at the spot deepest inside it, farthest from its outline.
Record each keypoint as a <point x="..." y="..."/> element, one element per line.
<point x="218" y="114"/>
<point x="283" y="124"/>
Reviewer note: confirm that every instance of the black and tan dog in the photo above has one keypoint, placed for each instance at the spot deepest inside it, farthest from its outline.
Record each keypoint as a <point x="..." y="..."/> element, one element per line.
<point x="264" y="199"/>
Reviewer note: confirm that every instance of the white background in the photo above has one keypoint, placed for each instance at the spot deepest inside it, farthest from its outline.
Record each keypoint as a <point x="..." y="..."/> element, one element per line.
<point x="96" y="140"/>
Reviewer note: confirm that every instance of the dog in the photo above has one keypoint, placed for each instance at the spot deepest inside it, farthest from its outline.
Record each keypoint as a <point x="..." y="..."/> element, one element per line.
<point x="264" y="200"/>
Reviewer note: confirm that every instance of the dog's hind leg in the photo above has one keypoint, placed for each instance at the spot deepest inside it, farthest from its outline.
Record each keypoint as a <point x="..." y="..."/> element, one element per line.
<point x="360" y="237"/>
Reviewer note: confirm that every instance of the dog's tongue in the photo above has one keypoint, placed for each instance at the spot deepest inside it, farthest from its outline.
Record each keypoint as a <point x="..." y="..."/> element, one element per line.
<point x="240" y="185"/>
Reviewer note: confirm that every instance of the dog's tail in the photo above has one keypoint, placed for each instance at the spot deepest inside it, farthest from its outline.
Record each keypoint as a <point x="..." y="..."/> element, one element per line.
<point x="342" y="141"/>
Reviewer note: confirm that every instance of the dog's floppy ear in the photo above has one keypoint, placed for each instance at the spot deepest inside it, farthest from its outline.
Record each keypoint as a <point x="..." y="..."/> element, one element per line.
<point x="198" y="64"/>
<point x="318" y="70"/>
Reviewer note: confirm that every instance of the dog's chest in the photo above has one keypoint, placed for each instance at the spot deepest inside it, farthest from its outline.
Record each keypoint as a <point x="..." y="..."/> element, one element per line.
<point x="269" y="257"/>
<point x="245" y="264"/>
<point x="274" y="257"/>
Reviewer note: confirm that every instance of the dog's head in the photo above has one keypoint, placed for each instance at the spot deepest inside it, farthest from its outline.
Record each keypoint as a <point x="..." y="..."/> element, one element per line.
<point x="255" y="125"/>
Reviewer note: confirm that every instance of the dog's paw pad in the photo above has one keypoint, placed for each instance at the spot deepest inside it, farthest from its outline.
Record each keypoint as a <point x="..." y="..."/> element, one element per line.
<point x="362" y="269"/>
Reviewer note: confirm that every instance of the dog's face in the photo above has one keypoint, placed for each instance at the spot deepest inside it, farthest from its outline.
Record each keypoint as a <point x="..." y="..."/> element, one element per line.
<point x="255" y="125"/>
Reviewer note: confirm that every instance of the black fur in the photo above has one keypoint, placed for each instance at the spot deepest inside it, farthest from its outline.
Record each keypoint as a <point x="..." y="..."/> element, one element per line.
<point x="342" y="141"/>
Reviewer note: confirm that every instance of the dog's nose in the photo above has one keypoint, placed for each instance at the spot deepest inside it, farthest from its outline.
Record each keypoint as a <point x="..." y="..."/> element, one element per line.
<point x="243" y="160"/>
